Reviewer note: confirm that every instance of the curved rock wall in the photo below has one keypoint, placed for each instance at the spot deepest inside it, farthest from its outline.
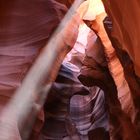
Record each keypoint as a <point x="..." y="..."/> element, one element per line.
<point x="125" y="39"/>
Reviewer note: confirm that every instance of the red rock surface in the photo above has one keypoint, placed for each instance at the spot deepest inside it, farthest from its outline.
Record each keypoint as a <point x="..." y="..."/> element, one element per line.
<point x="25" y="28"/>
<point x="126" y="27"/>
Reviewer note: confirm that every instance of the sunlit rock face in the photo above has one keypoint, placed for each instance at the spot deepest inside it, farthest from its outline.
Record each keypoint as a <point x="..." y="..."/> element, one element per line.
<point x="126" y="27"/>
<point x="125" y="33"/>
<point x="117" y="73"/>
<point x="125" y="39"/>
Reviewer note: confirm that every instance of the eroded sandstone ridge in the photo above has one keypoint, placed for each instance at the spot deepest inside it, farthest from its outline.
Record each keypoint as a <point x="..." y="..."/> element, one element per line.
<point x="125" y="38"/>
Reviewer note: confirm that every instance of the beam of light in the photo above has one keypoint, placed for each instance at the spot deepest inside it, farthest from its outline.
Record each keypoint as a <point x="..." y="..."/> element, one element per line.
<point x="47" y="65"/>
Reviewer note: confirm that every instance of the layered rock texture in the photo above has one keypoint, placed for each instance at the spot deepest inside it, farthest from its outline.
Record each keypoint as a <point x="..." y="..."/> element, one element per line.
<point x="125" y="38"/>
<point x="96" y="94"/>
<point x="25" y="27"/>
<point x="124" y="113"/>
<point x="120" y="44"/>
